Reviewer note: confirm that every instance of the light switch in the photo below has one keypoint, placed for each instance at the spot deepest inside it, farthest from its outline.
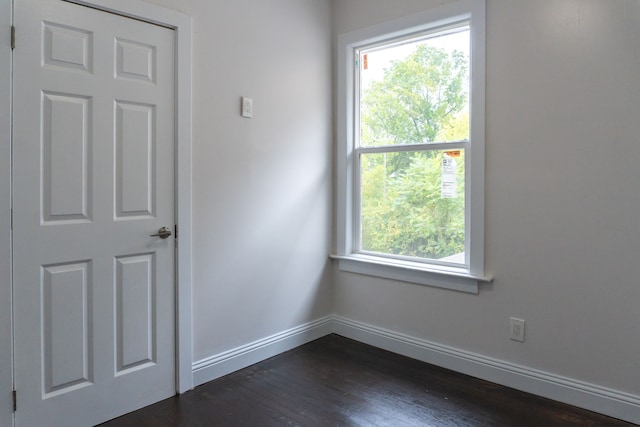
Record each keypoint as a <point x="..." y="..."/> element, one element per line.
<point x="247" y="107"/>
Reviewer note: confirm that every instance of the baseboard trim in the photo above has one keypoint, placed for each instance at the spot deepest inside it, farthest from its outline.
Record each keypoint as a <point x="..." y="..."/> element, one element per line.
<point x="238" y="358"/>
<point x="592" y="397"/>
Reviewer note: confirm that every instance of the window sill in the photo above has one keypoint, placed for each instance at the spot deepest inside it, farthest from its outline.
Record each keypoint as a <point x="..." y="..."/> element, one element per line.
<point x="447" y="278"/>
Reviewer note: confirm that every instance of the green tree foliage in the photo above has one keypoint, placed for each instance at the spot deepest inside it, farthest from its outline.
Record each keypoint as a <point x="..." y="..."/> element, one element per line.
<point x="416" y="98"/>
<point x="420" y="99"/>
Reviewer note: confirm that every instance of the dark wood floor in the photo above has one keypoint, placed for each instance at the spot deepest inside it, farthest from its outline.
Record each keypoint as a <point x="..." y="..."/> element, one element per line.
<point x="335" y="381"/>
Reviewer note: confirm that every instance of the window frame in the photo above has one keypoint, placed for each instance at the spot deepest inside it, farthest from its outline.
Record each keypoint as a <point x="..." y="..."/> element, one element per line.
<point x="464" y="278"/>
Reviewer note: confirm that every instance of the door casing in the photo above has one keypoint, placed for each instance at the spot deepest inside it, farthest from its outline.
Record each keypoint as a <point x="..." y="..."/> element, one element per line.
<point x="181" y="24"/>
<point x="6" y="327"/>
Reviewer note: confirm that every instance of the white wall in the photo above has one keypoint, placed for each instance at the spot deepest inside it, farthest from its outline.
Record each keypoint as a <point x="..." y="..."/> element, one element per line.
<point x="261" y="186"/>
<point x="562" y="196"/>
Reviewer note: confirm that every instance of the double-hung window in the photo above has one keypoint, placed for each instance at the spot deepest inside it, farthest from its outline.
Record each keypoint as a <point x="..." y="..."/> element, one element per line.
<point x="411" y="148"/>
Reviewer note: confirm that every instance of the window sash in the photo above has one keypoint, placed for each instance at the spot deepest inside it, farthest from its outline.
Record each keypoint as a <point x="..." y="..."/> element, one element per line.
<point x="349" y="44"/>
<point x="432" y="32"/>
<point x="424" y="146"/>
<point x="357" y="200"/>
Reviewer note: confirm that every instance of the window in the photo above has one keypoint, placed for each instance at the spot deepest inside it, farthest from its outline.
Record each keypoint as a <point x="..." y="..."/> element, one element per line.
<point x="411" y="148"/>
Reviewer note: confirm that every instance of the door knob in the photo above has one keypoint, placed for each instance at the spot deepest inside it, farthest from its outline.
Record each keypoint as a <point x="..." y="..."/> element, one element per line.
<point x="163" y="233"/>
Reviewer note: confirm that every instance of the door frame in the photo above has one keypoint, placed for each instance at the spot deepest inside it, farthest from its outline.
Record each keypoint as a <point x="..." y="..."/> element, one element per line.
<point x="182" y="26"/>
<point x="6" y="317"/>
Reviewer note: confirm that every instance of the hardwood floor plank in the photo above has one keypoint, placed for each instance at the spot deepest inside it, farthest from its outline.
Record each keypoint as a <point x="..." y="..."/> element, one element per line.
<point x="335" y="381"/>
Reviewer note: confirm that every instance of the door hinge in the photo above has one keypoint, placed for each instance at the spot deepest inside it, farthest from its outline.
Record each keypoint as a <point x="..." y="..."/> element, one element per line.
<point x="13" y="37"/>
<point x="15" y="400"/>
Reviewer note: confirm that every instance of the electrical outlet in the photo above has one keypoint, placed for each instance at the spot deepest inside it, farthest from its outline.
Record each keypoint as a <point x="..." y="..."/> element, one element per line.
<point x="516" y="329"/>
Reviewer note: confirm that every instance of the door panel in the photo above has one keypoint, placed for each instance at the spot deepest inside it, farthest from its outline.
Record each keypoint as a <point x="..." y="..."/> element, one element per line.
<point x="93" y="179"/>
<point x="67" y="47"/>
<point x="135" y="160"/>
<point x="65" y="313"/>
<point x="66" y="162"/>
<point x="135" y="311"/>
<point x="135" y="61"/>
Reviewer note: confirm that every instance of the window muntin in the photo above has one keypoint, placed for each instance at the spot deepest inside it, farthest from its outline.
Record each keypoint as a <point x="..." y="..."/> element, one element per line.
<point x="412" y="128"/>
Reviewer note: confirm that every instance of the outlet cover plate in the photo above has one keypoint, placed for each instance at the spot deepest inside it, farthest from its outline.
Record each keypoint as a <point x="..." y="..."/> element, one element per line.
<point x="516" y="329"/>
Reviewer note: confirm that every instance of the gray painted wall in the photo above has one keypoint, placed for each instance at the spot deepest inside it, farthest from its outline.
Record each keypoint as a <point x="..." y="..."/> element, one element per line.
<point x="562" y="199"/>
<point x="261" y="186"/>
<point x="561" y="192"/>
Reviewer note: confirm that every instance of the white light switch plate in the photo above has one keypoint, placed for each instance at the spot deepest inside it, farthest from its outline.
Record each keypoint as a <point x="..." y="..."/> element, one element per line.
<point x="247" y="107"/>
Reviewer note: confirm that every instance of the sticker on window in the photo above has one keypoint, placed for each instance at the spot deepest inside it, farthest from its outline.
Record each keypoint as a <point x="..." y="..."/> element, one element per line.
<point x="449" y="187"/>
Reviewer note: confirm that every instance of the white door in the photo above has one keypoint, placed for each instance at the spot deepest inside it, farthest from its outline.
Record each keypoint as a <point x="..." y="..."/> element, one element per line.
<point x="93" y="162"/>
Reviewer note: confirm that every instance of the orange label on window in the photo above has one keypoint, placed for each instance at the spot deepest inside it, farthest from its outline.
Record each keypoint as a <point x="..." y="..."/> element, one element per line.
<point x="455" y="153"/>
<point x="365" y="62"/>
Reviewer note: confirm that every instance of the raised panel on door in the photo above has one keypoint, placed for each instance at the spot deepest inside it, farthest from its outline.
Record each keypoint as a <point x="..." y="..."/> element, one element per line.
<point x="135" y="312"/>
<point x="135" y="159"/>
<point x="66" y="314"/>
<point x="66" y="157"/>
<point x="66" y="47"/>
<point x="135" y="60"/>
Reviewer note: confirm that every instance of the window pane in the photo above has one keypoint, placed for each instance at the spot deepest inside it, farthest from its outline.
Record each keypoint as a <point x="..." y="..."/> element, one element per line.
<point x="416" y="90"/>
<point x="412" y="204"/>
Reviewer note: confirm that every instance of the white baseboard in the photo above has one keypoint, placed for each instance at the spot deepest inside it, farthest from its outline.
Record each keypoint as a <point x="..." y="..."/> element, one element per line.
<point x="592" y="397"/>
<point x="238" y="358"/>
<point x="605" y="401"/>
